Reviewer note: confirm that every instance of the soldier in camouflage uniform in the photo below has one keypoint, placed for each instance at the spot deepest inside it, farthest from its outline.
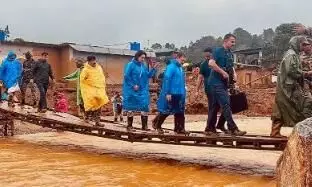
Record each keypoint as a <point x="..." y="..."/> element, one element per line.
<point x="292" y="102"/>
<point x="27" y="79"/>
<point x="306" y="61"/>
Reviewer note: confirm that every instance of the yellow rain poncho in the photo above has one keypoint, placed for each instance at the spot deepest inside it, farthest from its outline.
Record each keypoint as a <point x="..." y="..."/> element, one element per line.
<point x="92" y="84"/>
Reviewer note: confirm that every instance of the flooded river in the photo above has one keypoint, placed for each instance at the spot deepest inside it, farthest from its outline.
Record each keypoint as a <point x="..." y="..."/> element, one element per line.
<point x="30" y="160"/>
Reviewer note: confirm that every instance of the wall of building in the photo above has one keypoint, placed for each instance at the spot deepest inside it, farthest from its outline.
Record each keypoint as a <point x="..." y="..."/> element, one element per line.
<point x="61" y="60"/>
<point x="113" y="65"/>
<point x="245" y="76"/>
<point x="20" y="50"/>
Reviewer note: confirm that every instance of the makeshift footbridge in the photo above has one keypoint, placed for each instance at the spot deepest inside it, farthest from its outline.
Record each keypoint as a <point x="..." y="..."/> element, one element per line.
<point x="67" y="122"/>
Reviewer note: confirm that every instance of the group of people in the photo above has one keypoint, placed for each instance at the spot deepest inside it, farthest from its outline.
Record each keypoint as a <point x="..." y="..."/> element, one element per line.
<point x="214" y="72"/>
<point x="17" y="76"/>
<point x="293" y="101"/>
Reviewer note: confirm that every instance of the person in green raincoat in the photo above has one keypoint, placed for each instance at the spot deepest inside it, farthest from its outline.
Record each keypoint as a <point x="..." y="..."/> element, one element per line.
<point x="292" y="102"/>
<point x="75" y="76"/>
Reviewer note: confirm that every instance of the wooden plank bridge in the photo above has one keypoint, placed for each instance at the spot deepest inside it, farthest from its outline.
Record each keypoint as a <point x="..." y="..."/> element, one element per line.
<point x="66" y="122"/>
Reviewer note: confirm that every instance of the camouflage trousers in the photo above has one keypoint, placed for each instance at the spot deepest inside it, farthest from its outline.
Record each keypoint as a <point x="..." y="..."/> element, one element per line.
<point x="32" y="87"/>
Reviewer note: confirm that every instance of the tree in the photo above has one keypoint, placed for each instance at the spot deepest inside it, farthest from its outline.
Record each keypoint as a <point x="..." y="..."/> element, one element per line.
<point x="156" y="46"/>
<point x="195" y="50"/>
<point x="19" y="40"/>
<point x="244" y="39"/>
<point x="170" y="46"/>
<point x="256" y="41"/>
<point x="268" y="35"/>
<point x="283" y="34"/>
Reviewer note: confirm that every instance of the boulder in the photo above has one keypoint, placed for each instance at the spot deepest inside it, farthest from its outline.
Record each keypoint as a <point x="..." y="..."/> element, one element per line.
<point x="294" y="168"/>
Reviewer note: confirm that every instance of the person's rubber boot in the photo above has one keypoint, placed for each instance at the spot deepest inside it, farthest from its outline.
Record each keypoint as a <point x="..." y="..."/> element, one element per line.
<point x="121" y="119"/>
<point x="130" y="122"/>
<point x="276" y="130"/>
<point x="160" y="120"/>
<point x="144" y="120"/>
<point x="155" y="121"/>
<point x="115" y="120"/>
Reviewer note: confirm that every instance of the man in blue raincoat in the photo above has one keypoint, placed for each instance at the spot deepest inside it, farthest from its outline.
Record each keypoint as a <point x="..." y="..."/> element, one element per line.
<point x="172" y="96"/>
<point x="10" y="73"/>
<point x="135" y="91"/>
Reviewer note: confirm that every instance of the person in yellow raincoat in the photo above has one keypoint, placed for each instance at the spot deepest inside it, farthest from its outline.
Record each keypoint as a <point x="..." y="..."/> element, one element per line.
<point x="93" y="90"/>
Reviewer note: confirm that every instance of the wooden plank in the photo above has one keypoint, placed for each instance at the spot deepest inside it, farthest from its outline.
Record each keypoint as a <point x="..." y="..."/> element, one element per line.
<point x="111" y="130"/>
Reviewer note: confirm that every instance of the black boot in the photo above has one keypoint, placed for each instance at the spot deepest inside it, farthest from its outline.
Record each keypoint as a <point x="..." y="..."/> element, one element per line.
<point x="144" y="120"/>
<point x="115" y="120"/>
<point x="129" y="121"/>
<point x="160" y="120"/>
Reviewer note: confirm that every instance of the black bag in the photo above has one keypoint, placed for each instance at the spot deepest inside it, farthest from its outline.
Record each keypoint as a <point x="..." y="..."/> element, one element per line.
<point x="238" y="102"/>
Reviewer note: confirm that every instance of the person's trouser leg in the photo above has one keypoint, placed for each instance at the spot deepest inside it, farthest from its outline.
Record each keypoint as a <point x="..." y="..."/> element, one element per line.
<point x="42" y="96"/>
<point x="221" y="123"/>
<point x="45" y="89"/>
<point x="115" y="115"/>
<point x="23" y="92"/>
<point x="213" y="109"/>
<point x="223" y="99"/>
<point x="43" y="92"/>
<point x="180" y="118"/>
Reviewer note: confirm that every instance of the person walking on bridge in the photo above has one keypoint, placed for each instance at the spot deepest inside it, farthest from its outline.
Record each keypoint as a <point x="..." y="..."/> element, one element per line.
<point x="172" y="96"/>
<point x="27" y="79"/>
<point x="42" y="71"/>
<point x="135" y="90"/>
<point x="10" y="73"/>
<point x="93" y="89"/>
<point x="222" y="65"/>
<point x="306" y="61"/>
<point x="75" y="76"/>
<point x="293" y="103"/>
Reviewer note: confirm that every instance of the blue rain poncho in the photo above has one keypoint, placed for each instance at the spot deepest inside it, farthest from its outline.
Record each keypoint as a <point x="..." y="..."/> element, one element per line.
<point x="173" y="84"/>
<point x="136" y="73"/>
<point x="11" y="71"/>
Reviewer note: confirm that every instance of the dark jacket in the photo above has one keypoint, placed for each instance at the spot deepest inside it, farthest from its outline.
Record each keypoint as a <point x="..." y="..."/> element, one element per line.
<point x="42" y="71"/>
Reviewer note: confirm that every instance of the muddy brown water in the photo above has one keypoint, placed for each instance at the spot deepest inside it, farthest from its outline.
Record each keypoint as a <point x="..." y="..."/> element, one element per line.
<point x="25" y="163"/>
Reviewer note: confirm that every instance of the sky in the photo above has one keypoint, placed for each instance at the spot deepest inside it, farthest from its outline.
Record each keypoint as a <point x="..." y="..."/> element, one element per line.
<point x="105" y="22"/>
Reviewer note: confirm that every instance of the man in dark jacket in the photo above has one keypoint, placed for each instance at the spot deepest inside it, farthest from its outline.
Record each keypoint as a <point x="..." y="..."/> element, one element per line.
<point x="27" y="78"/>
<point x="42" y="71"/>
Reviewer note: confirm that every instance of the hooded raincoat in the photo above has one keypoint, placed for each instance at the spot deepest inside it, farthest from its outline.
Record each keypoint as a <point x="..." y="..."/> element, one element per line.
<point x="174" y="85"/>
<point x="93" y="87"/>
<point x="292" y="102"/>
<point x="11" y="71"/>
<point x="136" y="73"/>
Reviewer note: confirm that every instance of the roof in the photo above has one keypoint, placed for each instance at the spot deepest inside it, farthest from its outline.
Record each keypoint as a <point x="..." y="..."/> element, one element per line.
<point x="26" y="43"/>
<point x="248" y="51"/>
<point x="81" y="48"/>
<point x="106" y="50"/>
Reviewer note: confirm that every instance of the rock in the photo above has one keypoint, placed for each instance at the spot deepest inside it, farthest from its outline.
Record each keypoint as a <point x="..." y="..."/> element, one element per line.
<point x="294" y="168"/>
